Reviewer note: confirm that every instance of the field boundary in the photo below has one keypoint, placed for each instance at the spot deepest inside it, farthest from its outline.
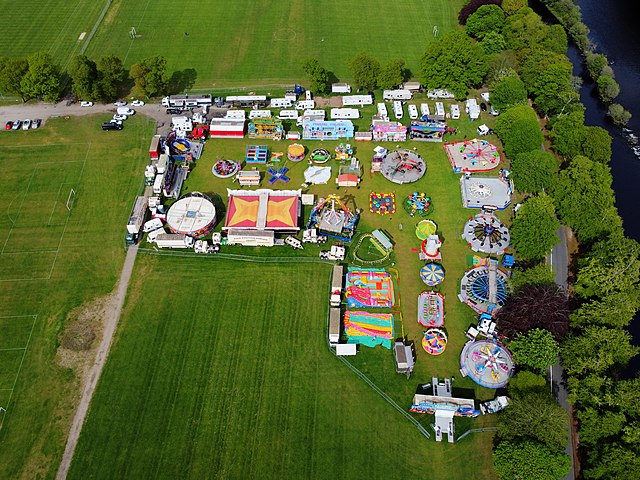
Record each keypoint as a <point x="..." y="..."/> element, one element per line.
<point x="233" y="256"/>
<point x="5" y="408"/>
<point x="95" y="28"/>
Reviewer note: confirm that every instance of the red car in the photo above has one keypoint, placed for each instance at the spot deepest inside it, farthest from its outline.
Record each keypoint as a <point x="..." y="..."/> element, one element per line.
<point x="8" y="125"/>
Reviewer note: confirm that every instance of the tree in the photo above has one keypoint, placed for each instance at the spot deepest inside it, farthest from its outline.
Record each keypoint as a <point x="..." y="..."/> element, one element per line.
<point x="535" y="306"/>
<point x="149" y="76"/>
<point x="488" y="18"/>
<point x="597" y="144"/>
<point x="525" y="382"/>
<point x="471" y="7"/>
<point x="502" y="65"/>
<point x="533" y="232"/>
<point x="512" y="6"/>
<point x="615" y="310"/>
<point x="595" y="63"/>
<point x="42" y="80"/>
<point x="365" y="71"/>
<point x="608" y="88"/>
<point x="12" y="71"/>
<point x="523" y="136"/>
<point x="537" y="275"/>
<point x="392" y="74"/>
<point x="612" y="461"/>
<point x="611" y="266"/>
<point x="317" y="74"/>
<point x="492" y="43"/>
<point x="585" y="200"/>
<point x="505" y="121"/>
<point x="547" y="422"/>
<point x="524" y="29"/>
<point x="529" y="460"/>
<point x="536" y="349"/>
<point x="84" y="74"/>
<point x="598" y="425"/>
<point x="111" y="76"/>
<point x="596" y="350"/>
<point x="548" y="78"/>
<point x="534" y="171"/>
<point x="508" y="92"/>
<point x="455" y="62"/>
<point x="568" y="134"/>
<point x="619" y="115"/>
<point x="555" y="39"/>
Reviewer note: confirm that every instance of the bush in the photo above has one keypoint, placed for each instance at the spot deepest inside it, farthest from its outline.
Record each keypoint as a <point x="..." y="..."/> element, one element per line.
<point x="619" y="115"/>
<point x="595" y="62"/>
<point x="608" y="88"/>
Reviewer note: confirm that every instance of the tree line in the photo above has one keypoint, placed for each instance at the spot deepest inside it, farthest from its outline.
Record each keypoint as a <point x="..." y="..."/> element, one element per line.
<point x="105" y="79"/>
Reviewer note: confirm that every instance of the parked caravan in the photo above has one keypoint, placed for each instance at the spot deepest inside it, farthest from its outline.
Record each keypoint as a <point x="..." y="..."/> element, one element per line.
<point x="440" y="110"/>
<point x="424" y="109"/>
<point x="391" y="95"/>
<point x="413" y="112"/>
<point x="397" y="109"/>
<point x="357" y="100"/>
<point x="280" y="103"/>
<point x="310" y="115"/>
<point x="236" y="114"/>
<point x="340" y="88"/>
<point x="305" y="104"/>
<point x="382" y="111"/>
<point x="288" y="114"/>
<point x="259" y="114"/>
<point x="455" y="111"/>
<point x="247" y="101"/>
<point x="344" y="113"/>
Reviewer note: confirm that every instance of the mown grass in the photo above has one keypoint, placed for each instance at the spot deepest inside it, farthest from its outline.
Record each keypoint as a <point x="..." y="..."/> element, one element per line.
<point x="51" y="262"/>
<point x="221" y="370"/>
<point x="244" y="42"/>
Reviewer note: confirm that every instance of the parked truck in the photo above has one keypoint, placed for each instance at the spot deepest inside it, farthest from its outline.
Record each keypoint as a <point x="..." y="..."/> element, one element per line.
<point x="174" y="240"/>
<point x="336" y="286"/>
<point x="136" y="219"/>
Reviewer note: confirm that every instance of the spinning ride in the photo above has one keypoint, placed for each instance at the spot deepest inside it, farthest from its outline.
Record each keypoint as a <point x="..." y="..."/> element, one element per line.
<point x="486" y="233"/>
<point x="434" y="341"/>
<point x="225" y="168"/>
<point x="432" y="274"/>
<point x="295" y="152"/>
<point x="484" y="288"/>
<point x="333" y="218"/>
<point x="403" y="166"/>
<point x="487" y="362"/>
<point x="320" y="156"/>
<point x="425" y="228"/>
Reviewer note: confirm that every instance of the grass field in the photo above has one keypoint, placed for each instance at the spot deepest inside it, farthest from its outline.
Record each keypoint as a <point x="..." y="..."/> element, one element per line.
<point x="238" y="43"/>
<point x="52" y="260"/>
<point x="221" y="370"/>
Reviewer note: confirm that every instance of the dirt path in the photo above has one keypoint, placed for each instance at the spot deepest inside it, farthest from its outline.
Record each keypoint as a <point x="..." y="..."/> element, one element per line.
<point x="110" y="324"/>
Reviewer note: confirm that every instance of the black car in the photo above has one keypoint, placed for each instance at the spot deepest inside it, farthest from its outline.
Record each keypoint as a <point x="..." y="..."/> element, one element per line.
<point x="174" y="111"/>
<point x="111" y="126"/>
<point x="483" y="107"/>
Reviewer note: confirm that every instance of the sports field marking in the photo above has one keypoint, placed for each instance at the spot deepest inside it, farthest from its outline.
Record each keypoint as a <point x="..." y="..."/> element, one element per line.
<point x="5" y="408"/>
<point x="146" y="7"/>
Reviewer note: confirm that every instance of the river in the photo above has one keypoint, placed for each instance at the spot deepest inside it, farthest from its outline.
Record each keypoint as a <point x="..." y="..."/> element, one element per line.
<point x="613" y="25"/>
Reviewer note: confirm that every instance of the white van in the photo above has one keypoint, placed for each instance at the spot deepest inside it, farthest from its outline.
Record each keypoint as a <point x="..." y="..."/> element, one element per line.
<point x="259" y="114"/>
<point x="424" y="109"/>
<point x="413" y="112"/>
<point x="382" y="111"/>
<point x="280" y="103"/>
<point x="342" y="113"/>
<point x="305" y="104"/>
<point x="390" y="95"/>
<point x="397" y="109"/>
<point x="125" y="111"/>
<point x="288" y="114"/>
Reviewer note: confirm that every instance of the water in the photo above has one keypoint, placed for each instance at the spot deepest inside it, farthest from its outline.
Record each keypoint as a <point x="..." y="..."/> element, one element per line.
<point x="613" y="25"/>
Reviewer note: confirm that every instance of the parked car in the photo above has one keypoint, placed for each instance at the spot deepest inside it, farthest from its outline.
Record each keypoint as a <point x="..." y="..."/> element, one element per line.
<point x="174" y="111"/>
<point x="36" y="123"/>
<point x="8" y="125"/>
<point x="125" y="111"/>
<point x="119" y="117"/>
<point x="137" y="103"/>
<point x="16" y="125"/>
<point x="120" y="103"/>
<point x="26" y="125"/>
<point x="483" y="107"/>
<point x="86" y="104"/>
<point x="111" y="126"/>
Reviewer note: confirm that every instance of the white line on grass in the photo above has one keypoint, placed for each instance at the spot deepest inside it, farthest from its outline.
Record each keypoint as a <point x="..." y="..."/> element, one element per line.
<point x="139" y="23"/>
<point x="24" y="354"/>
<point x="19" y="208"/>
<point x="12" y="349"/>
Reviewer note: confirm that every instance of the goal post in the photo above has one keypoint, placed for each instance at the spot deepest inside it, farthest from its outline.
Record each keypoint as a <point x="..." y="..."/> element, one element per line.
<point x="133" y="33"/>
<point x="70" y="198"/>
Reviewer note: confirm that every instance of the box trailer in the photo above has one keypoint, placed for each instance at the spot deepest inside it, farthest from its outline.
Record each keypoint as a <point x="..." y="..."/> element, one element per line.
<point x="163" y="163"/>
<point x="343" y="113"/>
<point x="187" y="101"/>
<point x="174" y="240"/>
<point x="340" y="88"/>
<point x="138" y="212"/>
<point x="247" y="101"/>
<point x="357" y="100"/>
<point x="336" y="285"/>
<point x="390" y="95"/>
<point x="334" y="326"/>
<point x="411" y="86"/>
<point x="155" y="147"/>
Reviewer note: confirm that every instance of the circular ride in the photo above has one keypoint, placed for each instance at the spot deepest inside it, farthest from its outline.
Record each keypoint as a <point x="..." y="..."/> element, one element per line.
<point x="487" y="362"/>
<point x="424" y="228"/>
<point x="486" y="233"/>
<point x="434" y="341"/>
<point x="295" y="152"/>
<point x="193" y="215"/>
<point x="225" y="168"/>
<point x="180" y="145"/>
<point x="474" y="155"/>
<point x="403" y="166"/>
<point x="432" y="274"/>
<point x="320" y="156"/>
<point x="483" y="290"/>
<point x="382" y="203"/>
<point x="417" y="204"/>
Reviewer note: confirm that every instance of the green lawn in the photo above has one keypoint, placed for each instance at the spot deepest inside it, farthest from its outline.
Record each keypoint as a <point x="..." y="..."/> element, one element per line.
<point x="220" y="370"/>
<point x="247" y="43"/>
<point x="51" y="261"/>
<point x="54" y="27"/>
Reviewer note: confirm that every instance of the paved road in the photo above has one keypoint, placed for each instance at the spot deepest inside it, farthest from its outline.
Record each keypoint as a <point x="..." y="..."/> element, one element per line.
<point x="111" y="322"/>
<point x="559" y="259"/>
